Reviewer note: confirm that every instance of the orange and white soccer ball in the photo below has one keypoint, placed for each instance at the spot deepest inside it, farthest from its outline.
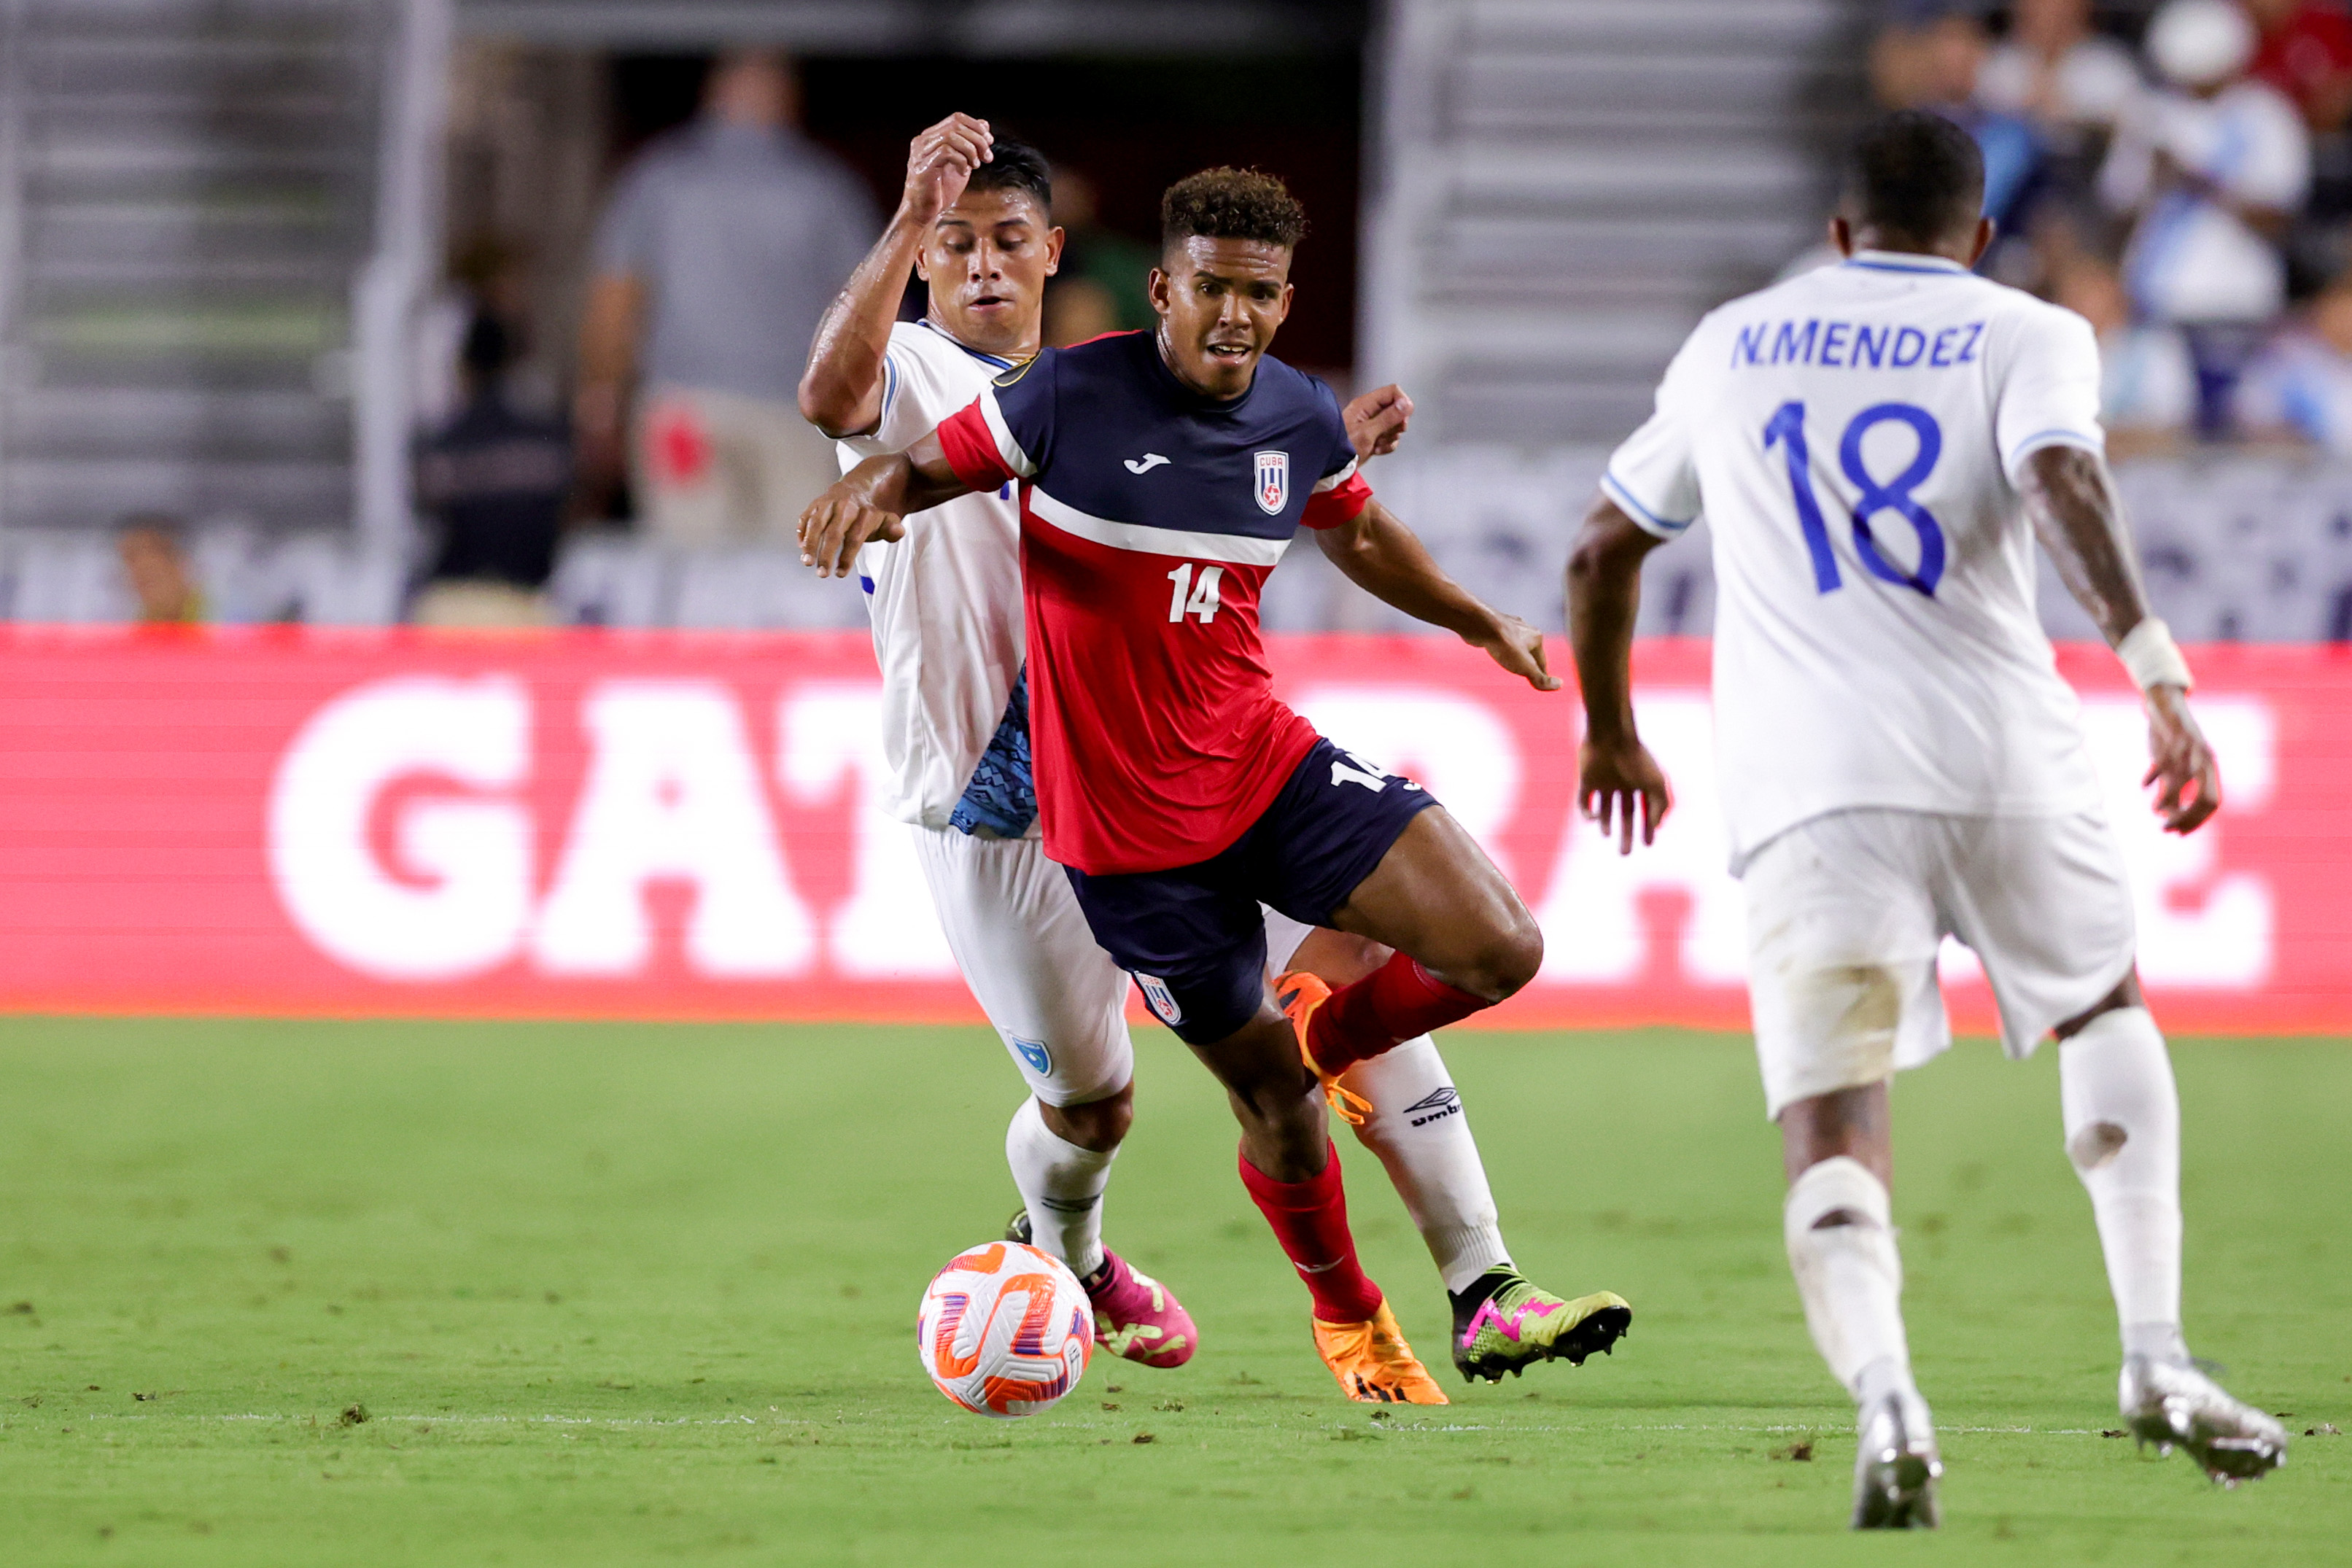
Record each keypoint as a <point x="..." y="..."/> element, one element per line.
<point x="1005" y="1330"/>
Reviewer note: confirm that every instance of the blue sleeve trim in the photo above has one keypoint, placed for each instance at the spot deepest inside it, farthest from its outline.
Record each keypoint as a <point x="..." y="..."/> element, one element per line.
<point x="889" y="389"/>
<point x="2055" y="437"/>
<point x="1648" y="521"/>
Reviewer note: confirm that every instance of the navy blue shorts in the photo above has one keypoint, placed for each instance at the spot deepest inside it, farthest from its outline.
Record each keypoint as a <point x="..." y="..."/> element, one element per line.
<point x="1194" y="938"/>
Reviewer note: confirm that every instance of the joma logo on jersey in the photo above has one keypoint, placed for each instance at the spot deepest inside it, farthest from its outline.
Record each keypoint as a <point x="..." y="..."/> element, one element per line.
<point x="1272" y="483"/>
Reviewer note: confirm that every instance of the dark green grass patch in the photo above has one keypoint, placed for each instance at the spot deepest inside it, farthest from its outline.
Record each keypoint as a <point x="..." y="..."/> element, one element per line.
<point x="402" y="1293"/>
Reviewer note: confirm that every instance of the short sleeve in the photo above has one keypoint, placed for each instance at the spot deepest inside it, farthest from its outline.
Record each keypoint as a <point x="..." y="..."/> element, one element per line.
<point x="625" y="240"/>
<point x="2049" y="391"/>
<point x="1652" y="475"/>
<point x="1007" y="432"/>
<point x="1340" y="492"/>
<point x="903" y="422"/>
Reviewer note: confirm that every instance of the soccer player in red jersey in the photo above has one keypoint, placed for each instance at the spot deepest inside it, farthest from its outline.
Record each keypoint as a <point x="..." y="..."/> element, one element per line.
<point x="1161" y="476"/>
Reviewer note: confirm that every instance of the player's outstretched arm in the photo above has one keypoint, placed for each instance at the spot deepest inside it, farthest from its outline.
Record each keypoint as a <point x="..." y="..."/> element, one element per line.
<point x="1616" y="777"/>
<point x="2074" y="509"/>
<point x="871" y="503"/>
<point x="1376" y="551"/>
<point x="841" y="391"/>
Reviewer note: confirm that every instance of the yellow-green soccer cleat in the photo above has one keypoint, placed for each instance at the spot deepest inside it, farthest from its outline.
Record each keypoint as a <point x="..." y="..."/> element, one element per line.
<point x="1516" y="1323"/>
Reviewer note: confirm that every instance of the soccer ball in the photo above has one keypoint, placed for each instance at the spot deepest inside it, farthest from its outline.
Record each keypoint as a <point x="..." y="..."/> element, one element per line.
<point x="1005" y="1330"/>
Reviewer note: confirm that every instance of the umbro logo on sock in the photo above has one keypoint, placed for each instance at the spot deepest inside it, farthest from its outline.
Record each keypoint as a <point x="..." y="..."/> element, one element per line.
<point x="1434" y="1107"/>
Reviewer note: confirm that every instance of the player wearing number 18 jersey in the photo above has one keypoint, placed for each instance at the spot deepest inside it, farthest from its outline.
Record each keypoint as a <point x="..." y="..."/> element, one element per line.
<point x="1875" y="446"/>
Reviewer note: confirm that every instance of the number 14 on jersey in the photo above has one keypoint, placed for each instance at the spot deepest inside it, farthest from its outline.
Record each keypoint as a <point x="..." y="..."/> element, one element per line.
<point x="1190" y="599"/>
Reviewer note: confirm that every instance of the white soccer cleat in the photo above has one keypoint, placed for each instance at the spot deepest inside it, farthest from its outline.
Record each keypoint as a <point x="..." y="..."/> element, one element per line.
<point x="2175" y="1406"/>
<point x="1895" y="1466"/>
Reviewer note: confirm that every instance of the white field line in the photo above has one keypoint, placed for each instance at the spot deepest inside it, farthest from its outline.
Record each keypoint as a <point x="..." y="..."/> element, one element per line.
<point x="1417" y="1428"/>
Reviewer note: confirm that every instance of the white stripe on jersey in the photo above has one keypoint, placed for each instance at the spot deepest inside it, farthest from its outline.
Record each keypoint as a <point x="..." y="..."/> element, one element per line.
<point x="1333" y="481"/>
<point x="1239" y="549"/>
<point x="1006" y="446"/>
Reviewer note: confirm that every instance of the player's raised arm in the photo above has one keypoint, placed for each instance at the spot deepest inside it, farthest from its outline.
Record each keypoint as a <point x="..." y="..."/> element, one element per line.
<point x="1376" y="551"/>
<point x="841" y="392"/>
<point x="871" y="501"/>
<point x="1615" y="774"/>
<point x="2073" y="509"/>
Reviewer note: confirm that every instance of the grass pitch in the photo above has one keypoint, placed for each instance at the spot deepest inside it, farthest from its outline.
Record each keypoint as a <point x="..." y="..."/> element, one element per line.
<point x="628" y="1294"/>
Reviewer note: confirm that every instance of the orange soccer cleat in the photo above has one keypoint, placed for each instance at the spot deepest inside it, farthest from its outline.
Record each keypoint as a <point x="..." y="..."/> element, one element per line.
<point x="1373" y="1363"/>
<point x="1300" y="995"/>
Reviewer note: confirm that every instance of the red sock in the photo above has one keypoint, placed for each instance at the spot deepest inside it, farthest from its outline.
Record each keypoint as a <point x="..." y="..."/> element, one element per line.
<point x="1387" y="1007"/>
<point x="1310" y="1219"/>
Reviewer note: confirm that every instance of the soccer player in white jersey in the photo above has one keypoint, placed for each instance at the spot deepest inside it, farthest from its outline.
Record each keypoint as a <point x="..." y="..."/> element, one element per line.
<point x="974" y="224"/>
<point x="1876" y="447"/>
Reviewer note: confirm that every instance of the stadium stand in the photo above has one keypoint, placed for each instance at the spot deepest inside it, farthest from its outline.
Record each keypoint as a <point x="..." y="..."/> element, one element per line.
<point x="1562" y="187"/>
<point x="194" y="187"/>
<point x="213" y="204"/>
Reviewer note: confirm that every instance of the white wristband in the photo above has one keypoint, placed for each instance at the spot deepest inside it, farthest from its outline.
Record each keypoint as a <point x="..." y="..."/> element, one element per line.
<point x="2152" y="657"/>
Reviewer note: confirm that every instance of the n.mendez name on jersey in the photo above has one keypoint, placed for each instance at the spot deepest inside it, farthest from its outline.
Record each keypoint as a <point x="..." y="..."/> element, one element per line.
<point x="1853" y="346"/>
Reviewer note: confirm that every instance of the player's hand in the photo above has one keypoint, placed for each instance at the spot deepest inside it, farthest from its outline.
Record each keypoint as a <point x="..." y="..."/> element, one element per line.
<point x="1376" y="421"/>
<point x="939" y="164"/>
<point x="1519" y="648"/>
<point x="1616" y="779"/>
<point x="2180" y="763"/>
<point x="837" y="524"/>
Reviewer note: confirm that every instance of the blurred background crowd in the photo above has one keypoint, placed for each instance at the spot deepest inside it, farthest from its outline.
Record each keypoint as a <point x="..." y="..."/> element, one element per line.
<point x="490" y="312"/>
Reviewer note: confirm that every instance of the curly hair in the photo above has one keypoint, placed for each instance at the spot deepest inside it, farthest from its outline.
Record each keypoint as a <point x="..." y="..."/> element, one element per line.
<point x="1232" y="204"/>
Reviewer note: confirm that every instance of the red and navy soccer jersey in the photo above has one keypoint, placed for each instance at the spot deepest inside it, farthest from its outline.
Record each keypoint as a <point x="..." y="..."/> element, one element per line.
<point x="1150" y="519"/>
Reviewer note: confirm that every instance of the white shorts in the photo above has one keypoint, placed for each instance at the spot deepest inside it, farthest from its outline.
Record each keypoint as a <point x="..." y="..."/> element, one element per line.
<point x="1018" y="935"/>
<point x="1283" y="937"/>
<point x="1845" y="913"/>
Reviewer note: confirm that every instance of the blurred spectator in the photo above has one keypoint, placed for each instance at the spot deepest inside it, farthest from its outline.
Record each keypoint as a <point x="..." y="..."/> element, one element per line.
<point x="2148" y="383"/>
<point x="488" y="275"/>
<point x="497" y="481"/>
<point x="1101" y="286"/>
<point x="724" y="244"/>
<point x="2306" y="53"/>
<point x="2055" y="71"/>
<point x="154" y="555"/>
<point x="2212" y="170"/>
<point x="1932" y="56"/>
<point x="2301" y="385"/>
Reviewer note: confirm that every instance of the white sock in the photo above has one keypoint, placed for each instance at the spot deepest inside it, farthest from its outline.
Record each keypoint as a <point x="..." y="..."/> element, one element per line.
<point x="1849" y="1274"/>
<point x="1062" y="1186"/>
<point x="1421" y="1135"/>
<point x="2122" y="1133"/>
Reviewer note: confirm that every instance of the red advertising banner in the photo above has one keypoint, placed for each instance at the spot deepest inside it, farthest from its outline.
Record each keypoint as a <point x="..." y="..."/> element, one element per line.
<point x="680" y="826"/>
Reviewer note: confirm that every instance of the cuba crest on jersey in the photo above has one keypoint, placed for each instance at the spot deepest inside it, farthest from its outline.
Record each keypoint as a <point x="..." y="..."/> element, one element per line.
<point x="1159" y="998"/>
<point x="1272" y="483"/>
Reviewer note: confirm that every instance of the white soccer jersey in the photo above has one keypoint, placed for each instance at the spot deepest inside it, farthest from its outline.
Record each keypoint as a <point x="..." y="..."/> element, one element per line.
<point x="946" y="599"/>
<point x="1850" y="434"/>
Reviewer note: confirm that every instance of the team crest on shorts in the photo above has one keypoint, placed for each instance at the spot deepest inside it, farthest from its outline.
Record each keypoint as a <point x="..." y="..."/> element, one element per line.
<point x="1272" y="483"/>
<point x="1034" y="1053"/>
<point x="1159" y="998"/>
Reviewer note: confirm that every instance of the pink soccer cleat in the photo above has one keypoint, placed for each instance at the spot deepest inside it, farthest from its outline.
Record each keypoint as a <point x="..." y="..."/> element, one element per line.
<point x="1137" y="1317"/>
